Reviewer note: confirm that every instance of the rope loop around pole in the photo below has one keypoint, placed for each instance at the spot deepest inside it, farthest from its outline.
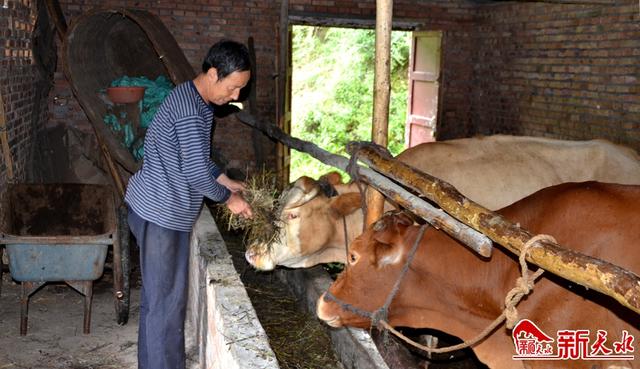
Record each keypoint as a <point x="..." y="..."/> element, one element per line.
<point x="524" y="283"/>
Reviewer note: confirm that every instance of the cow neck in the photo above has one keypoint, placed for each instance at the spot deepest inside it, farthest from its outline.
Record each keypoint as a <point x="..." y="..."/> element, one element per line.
<point x="380" y="315"/>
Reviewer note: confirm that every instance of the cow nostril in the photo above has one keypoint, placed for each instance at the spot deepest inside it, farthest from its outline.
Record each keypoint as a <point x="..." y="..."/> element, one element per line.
<point x="250" y="255"/>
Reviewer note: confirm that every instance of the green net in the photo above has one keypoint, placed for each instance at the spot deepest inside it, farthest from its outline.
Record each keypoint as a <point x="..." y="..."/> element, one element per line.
<point x="155" y="93"/>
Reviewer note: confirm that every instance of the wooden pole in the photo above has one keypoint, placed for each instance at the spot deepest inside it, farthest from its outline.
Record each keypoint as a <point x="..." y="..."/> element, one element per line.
<point x="381" y="92"/>
<point x="475" y="240"/>
<point x="282" y="44"/>
<point x="256" y="137"/>
<point x="6" y="150"/>
<point x="622" y="285"/>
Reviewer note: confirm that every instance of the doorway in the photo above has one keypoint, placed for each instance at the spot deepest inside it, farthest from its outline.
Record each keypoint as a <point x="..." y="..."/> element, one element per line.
<point x="332" y="72"/>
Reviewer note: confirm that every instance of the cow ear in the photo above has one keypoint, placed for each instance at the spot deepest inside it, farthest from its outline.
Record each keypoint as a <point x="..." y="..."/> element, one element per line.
<point x="386" y="250"/>
<point x="389" y="233"/>
<point x="403" y="218"/>
<point x="346" y="204"/>
<point x="302" y="190"/>
<point x="391" y="227"/>
<point x="306" y="184"/>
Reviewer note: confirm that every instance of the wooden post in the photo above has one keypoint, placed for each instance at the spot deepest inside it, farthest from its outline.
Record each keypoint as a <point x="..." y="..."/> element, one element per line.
<point x="252" y="99"/>
<point x="382" y="89"/>
<point x="282" y="61"/>
<point x="604" y="277"/>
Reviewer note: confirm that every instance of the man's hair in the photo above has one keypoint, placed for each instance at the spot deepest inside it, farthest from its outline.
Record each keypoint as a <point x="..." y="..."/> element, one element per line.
<point x="227" y="56"/>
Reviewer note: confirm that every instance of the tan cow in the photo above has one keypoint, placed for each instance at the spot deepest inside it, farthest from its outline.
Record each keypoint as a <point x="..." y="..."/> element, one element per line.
<point x="451" y="289"/>
<point x="494" y="171"/>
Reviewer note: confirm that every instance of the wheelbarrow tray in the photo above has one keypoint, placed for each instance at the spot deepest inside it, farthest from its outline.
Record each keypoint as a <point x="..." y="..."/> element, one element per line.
<point x="56" y="262"/>
<point x="57" y="232"/>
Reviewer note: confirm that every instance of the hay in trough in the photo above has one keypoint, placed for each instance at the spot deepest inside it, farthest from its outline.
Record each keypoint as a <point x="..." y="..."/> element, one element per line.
<point x="298" y="339"/>
<point x="262" y="194"/>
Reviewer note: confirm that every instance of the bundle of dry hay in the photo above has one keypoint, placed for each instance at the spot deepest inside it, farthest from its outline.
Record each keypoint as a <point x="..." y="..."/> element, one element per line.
<point x="262" y="194"/>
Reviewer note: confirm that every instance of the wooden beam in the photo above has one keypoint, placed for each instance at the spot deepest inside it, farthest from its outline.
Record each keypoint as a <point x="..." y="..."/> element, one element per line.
<point x="55" y="13"/>
<point x="332" y="20"/>
<point x="381" y="93"/>
<point x="475" y="240"/>
<point x="604" y="277"/>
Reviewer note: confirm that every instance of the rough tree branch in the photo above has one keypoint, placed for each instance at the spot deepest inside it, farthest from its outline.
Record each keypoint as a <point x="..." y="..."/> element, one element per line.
<point x="475" y="240"/>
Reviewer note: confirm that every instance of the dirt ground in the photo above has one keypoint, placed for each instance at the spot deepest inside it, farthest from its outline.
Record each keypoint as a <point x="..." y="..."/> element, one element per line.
<point x="54" y="337"/>
<point x="55" y="340"/>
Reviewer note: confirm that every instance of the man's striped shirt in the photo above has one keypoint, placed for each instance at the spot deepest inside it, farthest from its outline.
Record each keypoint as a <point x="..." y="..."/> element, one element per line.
<point x="177" y="172"/>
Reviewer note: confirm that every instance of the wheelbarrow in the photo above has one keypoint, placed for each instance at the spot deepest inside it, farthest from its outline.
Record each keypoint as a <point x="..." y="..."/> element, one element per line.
<point x="61" y="233"/>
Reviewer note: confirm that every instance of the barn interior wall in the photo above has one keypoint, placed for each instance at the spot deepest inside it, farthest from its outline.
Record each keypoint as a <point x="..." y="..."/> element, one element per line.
<point x="19" y="77"/>
<point x="196" y="24"/>
<point x="565" y="71"/>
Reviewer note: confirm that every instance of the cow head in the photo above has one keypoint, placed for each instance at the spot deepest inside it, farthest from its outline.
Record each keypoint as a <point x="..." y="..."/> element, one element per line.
<point x="311" y="230"/>
<point x="374" y="263"/>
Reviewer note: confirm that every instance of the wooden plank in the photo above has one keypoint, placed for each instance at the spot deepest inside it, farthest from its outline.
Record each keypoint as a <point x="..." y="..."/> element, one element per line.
<point x="475" y="240"/>
<point x="55" y="13"/>
<point x="604" y="277"/>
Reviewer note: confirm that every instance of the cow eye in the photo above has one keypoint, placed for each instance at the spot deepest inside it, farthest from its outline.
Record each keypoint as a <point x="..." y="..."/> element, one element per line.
<point x="292" y="216"/>
<point x="352" y="258"/>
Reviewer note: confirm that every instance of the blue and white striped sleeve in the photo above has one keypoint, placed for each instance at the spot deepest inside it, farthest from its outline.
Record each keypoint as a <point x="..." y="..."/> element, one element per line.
<point x="198" y="169"/>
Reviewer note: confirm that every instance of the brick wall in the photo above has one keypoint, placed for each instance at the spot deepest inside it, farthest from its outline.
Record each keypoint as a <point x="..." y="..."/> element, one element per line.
<point x="18" y="78"/>
<point x="567" y="71"/>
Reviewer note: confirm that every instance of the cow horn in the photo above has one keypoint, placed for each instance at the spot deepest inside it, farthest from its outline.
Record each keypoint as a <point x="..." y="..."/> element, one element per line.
<point x="303" y="190"/>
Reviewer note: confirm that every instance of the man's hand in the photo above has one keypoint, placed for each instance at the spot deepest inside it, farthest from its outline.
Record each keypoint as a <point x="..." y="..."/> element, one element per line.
<point x="237" y="205"/>
<point x="233" y="186"/>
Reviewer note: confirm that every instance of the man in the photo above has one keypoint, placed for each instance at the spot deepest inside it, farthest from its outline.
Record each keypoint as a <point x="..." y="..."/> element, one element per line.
<point x="165" y="197"/>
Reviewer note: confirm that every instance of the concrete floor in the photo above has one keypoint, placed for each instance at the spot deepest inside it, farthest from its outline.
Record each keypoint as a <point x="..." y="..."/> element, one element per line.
<point x="54" y="338"/>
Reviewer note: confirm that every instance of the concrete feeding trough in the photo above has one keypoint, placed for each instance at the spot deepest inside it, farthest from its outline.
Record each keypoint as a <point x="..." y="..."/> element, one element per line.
<point x="222" y="325"/>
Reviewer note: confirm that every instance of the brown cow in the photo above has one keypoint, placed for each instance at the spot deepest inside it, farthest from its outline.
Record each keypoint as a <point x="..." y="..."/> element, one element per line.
<point x="493" y="171"/>
<point x="451" y="289"/>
